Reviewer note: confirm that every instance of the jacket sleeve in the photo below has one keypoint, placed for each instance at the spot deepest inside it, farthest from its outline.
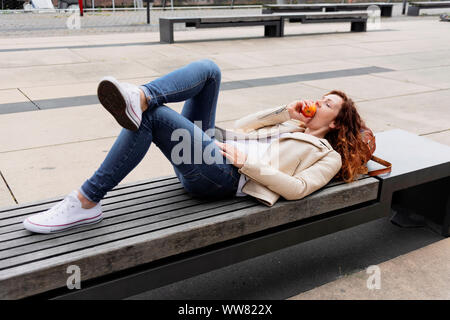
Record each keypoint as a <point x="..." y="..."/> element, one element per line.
<point x="302" y="183"/>
<point x="263" y="118"/>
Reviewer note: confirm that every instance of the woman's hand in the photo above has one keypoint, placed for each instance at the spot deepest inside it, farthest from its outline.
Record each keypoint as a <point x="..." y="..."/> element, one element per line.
<point x="232" y="153"/>
<point x="295" y="107"/>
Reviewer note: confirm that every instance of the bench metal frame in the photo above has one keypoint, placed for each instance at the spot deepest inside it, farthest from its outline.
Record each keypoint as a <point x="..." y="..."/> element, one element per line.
<point x="414" y="7"/>
<point x="273" y="24"/>
<point x="385" y="8"/>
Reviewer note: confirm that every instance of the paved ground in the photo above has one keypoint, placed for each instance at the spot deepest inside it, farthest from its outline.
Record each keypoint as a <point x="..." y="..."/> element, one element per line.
<point x="410" y="276"/>
<point x="54" y="134"/>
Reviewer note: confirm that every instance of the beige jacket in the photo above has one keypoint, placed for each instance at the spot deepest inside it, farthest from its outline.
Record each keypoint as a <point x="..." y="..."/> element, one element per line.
<point x="293" y="166"/>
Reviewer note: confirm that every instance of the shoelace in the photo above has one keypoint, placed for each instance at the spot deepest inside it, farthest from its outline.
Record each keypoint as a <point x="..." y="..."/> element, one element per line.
<point x="131" y="91"/>
<point x="62" y="207"/>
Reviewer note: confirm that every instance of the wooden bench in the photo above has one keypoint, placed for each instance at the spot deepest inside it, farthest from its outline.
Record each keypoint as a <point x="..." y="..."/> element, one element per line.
<point x="385" y="7"/>
<point x="154" y="233"/>
<point x="414" y="7"/>
<point x="273" y="24"/>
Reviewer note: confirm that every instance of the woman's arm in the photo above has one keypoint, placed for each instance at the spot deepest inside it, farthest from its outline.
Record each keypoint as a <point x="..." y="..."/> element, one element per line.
<point x="298" y="186"/>
<point x="271" y="116"/>
<point x="262" y="118"/>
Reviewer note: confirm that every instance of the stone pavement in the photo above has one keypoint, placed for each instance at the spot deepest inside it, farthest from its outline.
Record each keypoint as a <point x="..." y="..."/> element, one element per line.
<point x="422" y="274"/>
<point x="54" y="133"/>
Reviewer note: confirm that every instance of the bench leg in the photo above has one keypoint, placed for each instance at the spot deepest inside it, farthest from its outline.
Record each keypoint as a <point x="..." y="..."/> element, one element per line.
<point x="427" y="204"/>
<point x="413" y="11"/>
<point x="386" y="12"/>
<point x="274" y="30"/>
<point x="359" y="26"/>
<point x="165" y="31"/>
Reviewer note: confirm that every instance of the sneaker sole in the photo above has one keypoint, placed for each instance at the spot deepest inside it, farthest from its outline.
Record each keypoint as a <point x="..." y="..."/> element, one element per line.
<point x="112" y="98"/>
<point x="42" y="229"/>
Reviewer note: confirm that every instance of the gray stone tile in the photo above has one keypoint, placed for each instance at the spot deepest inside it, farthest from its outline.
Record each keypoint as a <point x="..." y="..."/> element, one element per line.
<point x="420" y="113"/>
<point x="369" y="86"/>
<point x="435" y="77"/>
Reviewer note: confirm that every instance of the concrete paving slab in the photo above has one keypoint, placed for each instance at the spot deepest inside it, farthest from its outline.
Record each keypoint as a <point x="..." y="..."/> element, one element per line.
<point x="407" y="61"/>
<point x="118" y="53"/>
<point x="441" y="137"/>
<point x="60" y="91"/>
<point x="406" y="46"/>
<point x="418" y="113"/>
<point x="436" y="77"/>
<point x="54" y="127"/>
<point x="6" y="198"/>
<point x="71" y="73"/>
<point x="12" y="100"/>
<point x="420" y="274"/>
<point x="164" y="64"/>
<point x="39" y="58"/>
<point x="369" y="86"/>
<point x="38" y="174"/>
<point x="277" y="70"/>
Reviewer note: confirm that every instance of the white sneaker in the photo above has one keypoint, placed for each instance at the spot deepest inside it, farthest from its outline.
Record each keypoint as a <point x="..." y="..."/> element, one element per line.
<point x="66" y="214"/>
<point x="122" y="100"/>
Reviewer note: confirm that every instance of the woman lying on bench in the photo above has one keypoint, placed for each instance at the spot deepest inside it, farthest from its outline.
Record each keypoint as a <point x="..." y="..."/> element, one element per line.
<point x="272" y="153"/>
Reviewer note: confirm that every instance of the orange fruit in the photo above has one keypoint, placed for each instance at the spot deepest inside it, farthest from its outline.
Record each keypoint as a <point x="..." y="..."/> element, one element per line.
<point x="309" y="111"/>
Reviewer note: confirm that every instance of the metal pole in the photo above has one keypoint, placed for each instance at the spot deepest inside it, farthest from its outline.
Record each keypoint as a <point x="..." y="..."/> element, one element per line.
<point x="80" y="4"/>
<point x="404" y="7"/>
<point x="148" y="11"/>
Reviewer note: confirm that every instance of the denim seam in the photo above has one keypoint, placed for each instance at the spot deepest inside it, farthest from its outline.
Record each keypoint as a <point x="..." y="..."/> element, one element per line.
<point x="122" y="160"/>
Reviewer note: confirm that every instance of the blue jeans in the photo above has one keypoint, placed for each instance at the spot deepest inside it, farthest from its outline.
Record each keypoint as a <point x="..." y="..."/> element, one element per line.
<point x="203" y="171"/>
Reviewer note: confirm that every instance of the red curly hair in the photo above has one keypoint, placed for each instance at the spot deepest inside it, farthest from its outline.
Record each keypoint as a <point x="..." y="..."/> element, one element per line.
<point x="346" y="140"/>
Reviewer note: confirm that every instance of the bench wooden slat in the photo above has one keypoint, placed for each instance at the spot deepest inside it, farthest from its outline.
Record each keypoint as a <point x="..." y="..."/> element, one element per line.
<point x="143" y="190"/>
<point x="124" y="249"/>
<point x="156" y="211"/>
<point x="12" y="227"/>
<point x="116" y="232"/>
<point x="9" y="211"/>
<point x="139" y="204"/>
<point x="112" y="230"/>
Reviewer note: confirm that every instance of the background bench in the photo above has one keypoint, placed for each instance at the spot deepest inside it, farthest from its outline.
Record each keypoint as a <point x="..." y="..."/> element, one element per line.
<point x="154" y="233"/>
<point x="414" y="7"/>
<point x="385" y="7"/>
<point x="273" y="24"/>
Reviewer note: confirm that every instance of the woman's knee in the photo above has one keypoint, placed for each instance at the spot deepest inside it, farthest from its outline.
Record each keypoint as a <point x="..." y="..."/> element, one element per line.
<point x="212" y="68"/>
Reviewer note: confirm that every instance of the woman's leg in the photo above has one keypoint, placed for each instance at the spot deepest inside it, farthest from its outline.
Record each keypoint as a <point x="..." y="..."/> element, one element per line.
<point x="198" y="83"/>
<point x="201" y="168"/>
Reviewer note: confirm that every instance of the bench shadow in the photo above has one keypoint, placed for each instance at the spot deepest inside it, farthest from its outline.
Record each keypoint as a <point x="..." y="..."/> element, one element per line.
<point x="308" y="265"/>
